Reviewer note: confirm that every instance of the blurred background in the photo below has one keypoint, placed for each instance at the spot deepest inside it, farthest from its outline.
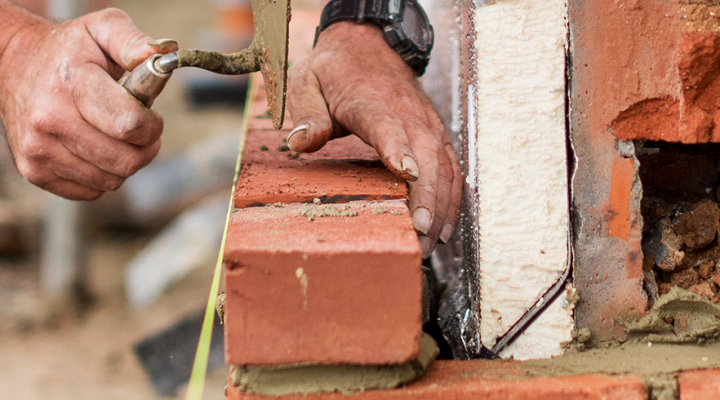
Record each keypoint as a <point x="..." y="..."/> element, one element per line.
<point x="82" y="284"/>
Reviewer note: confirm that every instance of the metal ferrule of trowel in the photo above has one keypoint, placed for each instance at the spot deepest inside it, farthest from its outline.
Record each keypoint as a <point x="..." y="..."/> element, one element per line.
<point x="267" y="53"/>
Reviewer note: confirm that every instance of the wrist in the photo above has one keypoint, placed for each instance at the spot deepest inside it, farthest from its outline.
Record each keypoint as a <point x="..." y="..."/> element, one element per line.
<point x="16" y="38"/>
<point x="352" y="31"/>
<point x="403" y="23"/>
<point x="14" y="19"/>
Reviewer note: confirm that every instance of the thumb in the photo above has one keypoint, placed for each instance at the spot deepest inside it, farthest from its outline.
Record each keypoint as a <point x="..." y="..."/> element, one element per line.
<point x="309" y="112"/>
<point x="116" y="33"/>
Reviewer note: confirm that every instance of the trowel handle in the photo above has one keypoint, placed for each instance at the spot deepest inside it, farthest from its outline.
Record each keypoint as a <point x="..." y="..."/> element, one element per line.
<point x="145" y="82"/>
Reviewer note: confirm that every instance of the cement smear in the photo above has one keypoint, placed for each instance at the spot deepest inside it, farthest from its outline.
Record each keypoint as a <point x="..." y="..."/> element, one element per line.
<point x="634" y="358"/>
<point x="679" y="333"/>
<point x="678" y="317"/>
<point x="319" y="211"/>
<point x="303" y="379"/>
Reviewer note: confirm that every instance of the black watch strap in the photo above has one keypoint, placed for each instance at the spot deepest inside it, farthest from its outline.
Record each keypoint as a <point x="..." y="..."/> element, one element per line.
<point x="388" y="15"/>
<point x="358" y="11"/>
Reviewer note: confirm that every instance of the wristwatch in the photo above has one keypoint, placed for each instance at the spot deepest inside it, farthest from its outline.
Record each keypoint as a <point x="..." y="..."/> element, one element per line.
<point x="404" y="23"/>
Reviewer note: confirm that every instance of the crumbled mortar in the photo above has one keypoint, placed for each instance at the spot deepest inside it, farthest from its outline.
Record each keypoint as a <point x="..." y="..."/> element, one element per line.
<point x="319" y="211"/>
<point x="662" y="387"/>
<point x="379" y="210"/>
<point x="220" y="307"/>
<point x="679" y="316"/>
<point x="316" y="378"/>
<point x="681" y="248"/>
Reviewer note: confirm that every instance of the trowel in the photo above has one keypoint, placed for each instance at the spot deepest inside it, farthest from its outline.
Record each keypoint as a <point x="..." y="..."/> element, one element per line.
<point x="267" y="53"/>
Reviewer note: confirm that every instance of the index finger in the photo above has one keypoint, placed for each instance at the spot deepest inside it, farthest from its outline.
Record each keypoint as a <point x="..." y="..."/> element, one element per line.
<point x="377" y="124"/>
<point x="116" y="33"/>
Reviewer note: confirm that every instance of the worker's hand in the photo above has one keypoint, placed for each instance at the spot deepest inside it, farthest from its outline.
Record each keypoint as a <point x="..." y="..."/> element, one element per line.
<point x="72" y="129"/>
<point x="353" y="81"/>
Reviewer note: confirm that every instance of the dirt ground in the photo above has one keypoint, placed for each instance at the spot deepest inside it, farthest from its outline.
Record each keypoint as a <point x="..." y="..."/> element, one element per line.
<point x="47" y="351"/>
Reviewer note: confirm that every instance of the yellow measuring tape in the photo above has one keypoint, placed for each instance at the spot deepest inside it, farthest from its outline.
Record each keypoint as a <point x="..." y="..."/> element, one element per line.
<point x="199" y="370"/>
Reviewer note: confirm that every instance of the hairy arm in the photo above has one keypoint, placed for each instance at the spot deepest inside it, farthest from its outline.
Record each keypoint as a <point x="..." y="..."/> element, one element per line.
<point x="72" y="129"/>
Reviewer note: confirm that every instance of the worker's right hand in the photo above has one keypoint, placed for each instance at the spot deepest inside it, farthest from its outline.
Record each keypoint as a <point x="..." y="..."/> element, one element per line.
<point x="72" y="129"/>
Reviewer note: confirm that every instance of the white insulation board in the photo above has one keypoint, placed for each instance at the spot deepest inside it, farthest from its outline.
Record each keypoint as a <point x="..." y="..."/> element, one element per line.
<point x="522" y="170"/>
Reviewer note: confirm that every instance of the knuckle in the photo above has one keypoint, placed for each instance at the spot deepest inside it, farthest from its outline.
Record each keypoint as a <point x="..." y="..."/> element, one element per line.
<point x="85" y="194"/>
<point x="113" y="183"/>
<point x="135" y="128"/>
<point x="125" y="124"/>
<point x="31" y="172"/>
<point x="45" y="122"/>
<point x="96" y="180"/>
<point x="129" y="164"/>
<point x="33" y="148"/>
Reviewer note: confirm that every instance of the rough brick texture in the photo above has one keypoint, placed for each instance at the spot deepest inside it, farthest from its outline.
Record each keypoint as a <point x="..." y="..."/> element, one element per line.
<point x="344" y="289"/>
<point x="345" y="169"/>
<point x="606" y="189"/>
<point x="260" y="115"/>
<point x="655" y="68"/>
<point x="699" y="384"/>
<point x="489" y="380"/>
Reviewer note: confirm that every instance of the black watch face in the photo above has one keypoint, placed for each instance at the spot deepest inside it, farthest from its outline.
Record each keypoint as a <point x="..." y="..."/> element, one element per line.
<point x="415" y="27"/>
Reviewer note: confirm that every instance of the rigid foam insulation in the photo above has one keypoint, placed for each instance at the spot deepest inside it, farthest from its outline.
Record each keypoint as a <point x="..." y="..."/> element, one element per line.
<point x="522" y="171"/>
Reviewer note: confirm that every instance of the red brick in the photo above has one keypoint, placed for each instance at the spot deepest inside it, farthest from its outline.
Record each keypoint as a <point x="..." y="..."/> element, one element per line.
<point x="331" y="181"/>
<point x="699" y="384"/>
<point x="271" y="176"/>
<point x="331" y="290"/>
<point x="666" y="92"/>
<point x="347" y="148"/>
<point x="606" y="190"/>
<point x="260" y="117"/>
<point x="489" y="380"/>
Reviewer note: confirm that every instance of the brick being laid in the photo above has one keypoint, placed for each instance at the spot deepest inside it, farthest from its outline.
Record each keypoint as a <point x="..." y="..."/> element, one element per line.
<point x="522" y="169"/>
<point x="323" y="283"/>
<point x="344" y="170"/>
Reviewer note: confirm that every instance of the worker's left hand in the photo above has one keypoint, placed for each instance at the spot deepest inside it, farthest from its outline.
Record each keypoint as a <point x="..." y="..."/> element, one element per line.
<point x="353" y="81"/>
<point x="72" y="129"/>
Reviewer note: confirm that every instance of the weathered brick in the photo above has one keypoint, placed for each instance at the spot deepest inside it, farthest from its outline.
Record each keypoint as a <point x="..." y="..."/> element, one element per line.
<point x="489" y="380"/>
<point x="699" y="384"/>
<point x="605" y="185"/>
<point x="668" y="91"/>
<point x="341" y="289"/>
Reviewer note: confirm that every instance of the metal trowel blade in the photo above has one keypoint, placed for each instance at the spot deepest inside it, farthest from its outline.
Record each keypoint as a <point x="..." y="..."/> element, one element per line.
<point x="272" y="22"/>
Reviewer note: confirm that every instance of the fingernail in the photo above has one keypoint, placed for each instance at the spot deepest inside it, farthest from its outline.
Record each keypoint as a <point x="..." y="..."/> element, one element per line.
<point x="427" y="245"/>
<point x="410" y="166"/>
<point x="422" y="220"/>
<point x="299" y="128"/>
<point x="162" y="43"/>
<point x="447" y="231"/>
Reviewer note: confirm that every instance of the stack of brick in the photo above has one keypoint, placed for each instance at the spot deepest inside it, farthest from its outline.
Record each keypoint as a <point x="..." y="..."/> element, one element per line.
<point x="322" y="262"/>
<point x="339" y="282"/>
<point x="334" y="282"/>
<point x="343" y="286"/>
